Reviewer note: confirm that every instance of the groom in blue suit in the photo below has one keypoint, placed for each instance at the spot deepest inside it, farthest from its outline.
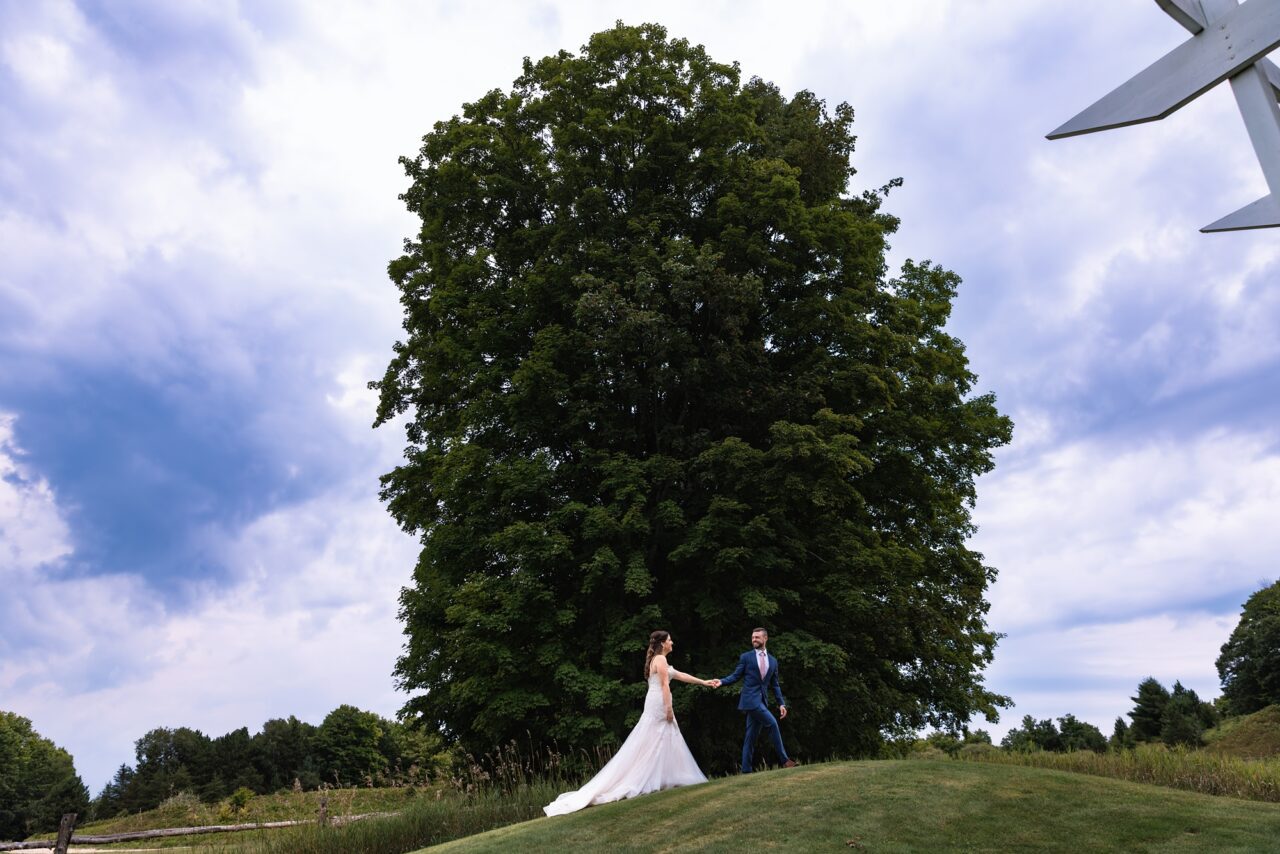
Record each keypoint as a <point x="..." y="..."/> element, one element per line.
<point x="758" y="671"/>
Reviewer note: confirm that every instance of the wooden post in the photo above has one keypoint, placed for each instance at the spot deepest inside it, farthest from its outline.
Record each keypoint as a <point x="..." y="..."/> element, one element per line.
<point x="64" y="833"/>
<point x="324" y="808"/>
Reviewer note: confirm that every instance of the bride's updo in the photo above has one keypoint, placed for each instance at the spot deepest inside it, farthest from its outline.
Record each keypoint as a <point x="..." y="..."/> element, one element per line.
<point x="656" y="640"/>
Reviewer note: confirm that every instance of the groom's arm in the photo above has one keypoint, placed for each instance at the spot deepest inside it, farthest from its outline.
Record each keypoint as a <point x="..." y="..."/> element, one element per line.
<point x="736" y="674"/>
<point x="777" y="686"/>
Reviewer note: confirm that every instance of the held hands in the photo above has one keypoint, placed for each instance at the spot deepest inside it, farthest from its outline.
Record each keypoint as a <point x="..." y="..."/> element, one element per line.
<point x="711" y="683"/>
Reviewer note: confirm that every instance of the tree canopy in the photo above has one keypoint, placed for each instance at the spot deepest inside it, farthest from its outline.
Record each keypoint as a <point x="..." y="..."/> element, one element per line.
<point x="1071" y="734"/>
<point x="655" y="374"/>
<point x="1158" y="715"/>
<point x="1148" y="710"/>
<point x="1249" y="665"/>
<point x="38" y="781"/>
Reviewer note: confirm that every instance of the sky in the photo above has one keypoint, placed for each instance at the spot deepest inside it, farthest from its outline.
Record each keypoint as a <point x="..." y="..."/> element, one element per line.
<point x="198" y="201"/>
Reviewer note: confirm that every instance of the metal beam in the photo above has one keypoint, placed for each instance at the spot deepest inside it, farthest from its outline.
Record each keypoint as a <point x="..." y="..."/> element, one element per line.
<point x="1256" y="98"/>
<point x="1189" y="14"/>
<point x="1273" y="74"/>
<point x="1225" y="47"/>
<point x="1264" y="213"/>
<point x="1185" y="12"/>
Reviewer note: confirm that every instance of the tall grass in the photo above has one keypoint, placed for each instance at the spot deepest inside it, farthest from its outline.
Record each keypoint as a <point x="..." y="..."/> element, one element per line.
<point x="510" y="785"/>
<point x="425" y="822"/>
<point x="1178" y="768"/>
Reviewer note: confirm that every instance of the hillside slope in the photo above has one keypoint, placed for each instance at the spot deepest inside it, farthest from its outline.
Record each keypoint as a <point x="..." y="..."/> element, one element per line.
<point x="1254" y="736"/>
<point x="902" y="806"/>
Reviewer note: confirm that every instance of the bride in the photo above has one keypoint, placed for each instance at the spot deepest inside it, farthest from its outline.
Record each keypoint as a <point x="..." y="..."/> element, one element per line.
<point x="654" y="756"/>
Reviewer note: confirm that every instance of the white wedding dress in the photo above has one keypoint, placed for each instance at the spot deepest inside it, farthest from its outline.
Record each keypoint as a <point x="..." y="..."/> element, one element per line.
<point x="653" y="757"/>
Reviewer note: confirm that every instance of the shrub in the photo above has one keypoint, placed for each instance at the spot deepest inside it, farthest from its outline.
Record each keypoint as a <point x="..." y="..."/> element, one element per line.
<point x="927" y="751"/>
<point x="977" y="750"/>
<point x="239" y="800"/>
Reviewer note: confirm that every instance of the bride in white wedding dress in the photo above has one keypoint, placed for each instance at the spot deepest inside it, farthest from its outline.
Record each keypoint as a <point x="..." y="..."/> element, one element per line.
<point x="654" y="756"/>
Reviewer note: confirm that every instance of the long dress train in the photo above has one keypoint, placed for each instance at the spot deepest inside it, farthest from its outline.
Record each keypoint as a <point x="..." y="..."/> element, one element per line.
<point x="653" y="757"/>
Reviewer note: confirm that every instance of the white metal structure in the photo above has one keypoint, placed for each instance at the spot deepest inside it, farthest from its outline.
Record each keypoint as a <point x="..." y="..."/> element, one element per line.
<point x="1229" y="41"/>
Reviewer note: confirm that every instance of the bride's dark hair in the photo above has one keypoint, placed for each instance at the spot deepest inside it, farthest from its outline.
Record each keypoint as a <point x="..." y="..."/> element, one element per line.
<point x="656" y="640"/>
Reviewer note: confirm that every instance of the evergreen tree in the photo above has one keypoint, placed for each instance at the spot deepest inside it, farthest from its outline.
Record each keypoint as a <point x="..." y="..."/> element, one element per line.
<point x="110" y="801"/>
<point x="1148" y="710"/>
<point x="1181" y="721"/>
<point x="1249" y="665"/>
<point x="1121" y="737"/>
<point x="656" y="377"/>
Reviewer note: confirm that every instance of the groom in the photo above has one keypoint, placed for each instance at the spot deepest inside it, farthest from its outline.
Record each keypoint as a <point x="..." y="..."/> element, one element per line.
<point x="759" y="671"/>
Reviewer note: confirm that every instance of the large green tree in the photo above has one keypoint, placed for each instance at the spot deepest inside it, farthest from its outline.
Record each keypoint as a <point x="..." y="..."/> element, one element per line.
<point x="1148" y="710"/>
<point x="1080" y="735"/>
<point x="1033" y="735"/>
<point x="1249" y="665"/>
<point x="347" y="742"/>
<point x="655" y="375"/>
<point x="1182" y="721"/>
<point x="38" y="781"/>
<point x="286" y="754"/>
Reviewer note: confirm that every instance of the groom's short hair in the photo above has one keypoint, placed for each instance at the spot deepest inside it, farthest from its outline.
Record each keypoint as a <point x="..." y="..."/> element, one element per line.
<point x="762" y="631"/>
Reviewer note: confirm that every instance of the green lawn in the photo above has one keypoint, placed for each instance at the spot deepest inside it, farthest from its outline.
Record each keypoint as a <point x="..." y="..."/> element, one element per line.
<point x="906" y="805"/>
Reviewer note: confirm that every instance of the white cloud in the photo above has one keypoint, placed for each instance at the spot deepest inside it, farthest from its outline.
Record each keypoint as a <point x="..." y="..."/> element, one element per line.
<point x="1093" y="671"/>
<point x="1110" y="554"/>
<point x="1104" y="529"/>
<point x="309" y="622"/>
<point x="33" y="532"/>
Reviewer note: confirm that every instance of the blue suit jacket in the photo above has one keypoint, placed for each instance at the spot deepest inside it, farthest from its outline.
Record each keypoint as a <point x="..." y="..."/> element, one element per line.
<point x="754" y="687"/>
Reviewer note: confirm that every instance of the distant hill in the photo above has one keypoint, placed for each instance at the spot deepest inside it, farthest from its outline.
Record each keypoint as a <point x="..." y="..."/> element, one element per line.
<point x="1254" y="736"/>
<point x="910" y="805"/>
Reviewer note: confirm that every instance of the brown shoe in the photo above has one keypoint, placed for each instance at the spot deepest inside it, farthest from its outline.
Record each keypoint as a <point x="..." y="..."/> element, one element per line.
<point x="790" y="763"/>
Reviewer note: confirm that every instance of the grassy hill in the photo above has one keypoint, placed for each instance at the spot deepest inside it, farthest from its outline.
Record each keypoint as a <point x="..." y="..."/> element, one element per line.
<point x="902" y="806"/>
<point x="1252" y="736"/>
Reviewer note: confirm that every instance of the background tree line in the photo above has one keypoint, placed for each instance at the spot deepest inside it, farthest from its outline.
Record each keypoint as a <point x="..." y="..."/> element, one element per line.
<point x="350" y="747"/>
<point x="1248" y="667"/>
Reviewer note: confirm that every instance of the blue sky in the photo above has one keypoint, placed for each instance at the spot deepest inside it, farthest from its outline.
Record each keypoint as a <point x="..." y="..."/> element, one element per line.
<point x="197" y="205"/>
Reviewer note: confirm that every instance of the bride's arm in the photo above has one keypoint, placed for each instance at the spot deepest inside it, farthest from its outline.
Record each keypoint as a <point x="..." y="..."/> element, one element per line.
<point x="685" y="677"/>
<point x="659" y="666"/>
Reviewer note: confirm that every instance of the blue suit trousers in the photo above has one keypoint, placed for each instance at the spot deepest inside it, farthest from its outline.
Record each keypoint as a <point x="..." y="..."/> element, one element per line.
<point x="761" y="719"/>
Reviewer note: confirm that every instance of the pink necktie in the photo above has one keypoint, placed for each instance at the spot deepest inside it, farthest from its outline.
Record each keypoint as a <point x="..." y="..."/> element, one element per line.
<point x="764" y="664"/>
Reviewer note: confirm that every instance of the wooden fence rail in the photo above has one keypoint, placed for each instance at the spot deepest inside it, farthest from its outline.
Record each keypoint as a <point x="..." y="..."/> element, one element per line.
<point x="80" y="839"/>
